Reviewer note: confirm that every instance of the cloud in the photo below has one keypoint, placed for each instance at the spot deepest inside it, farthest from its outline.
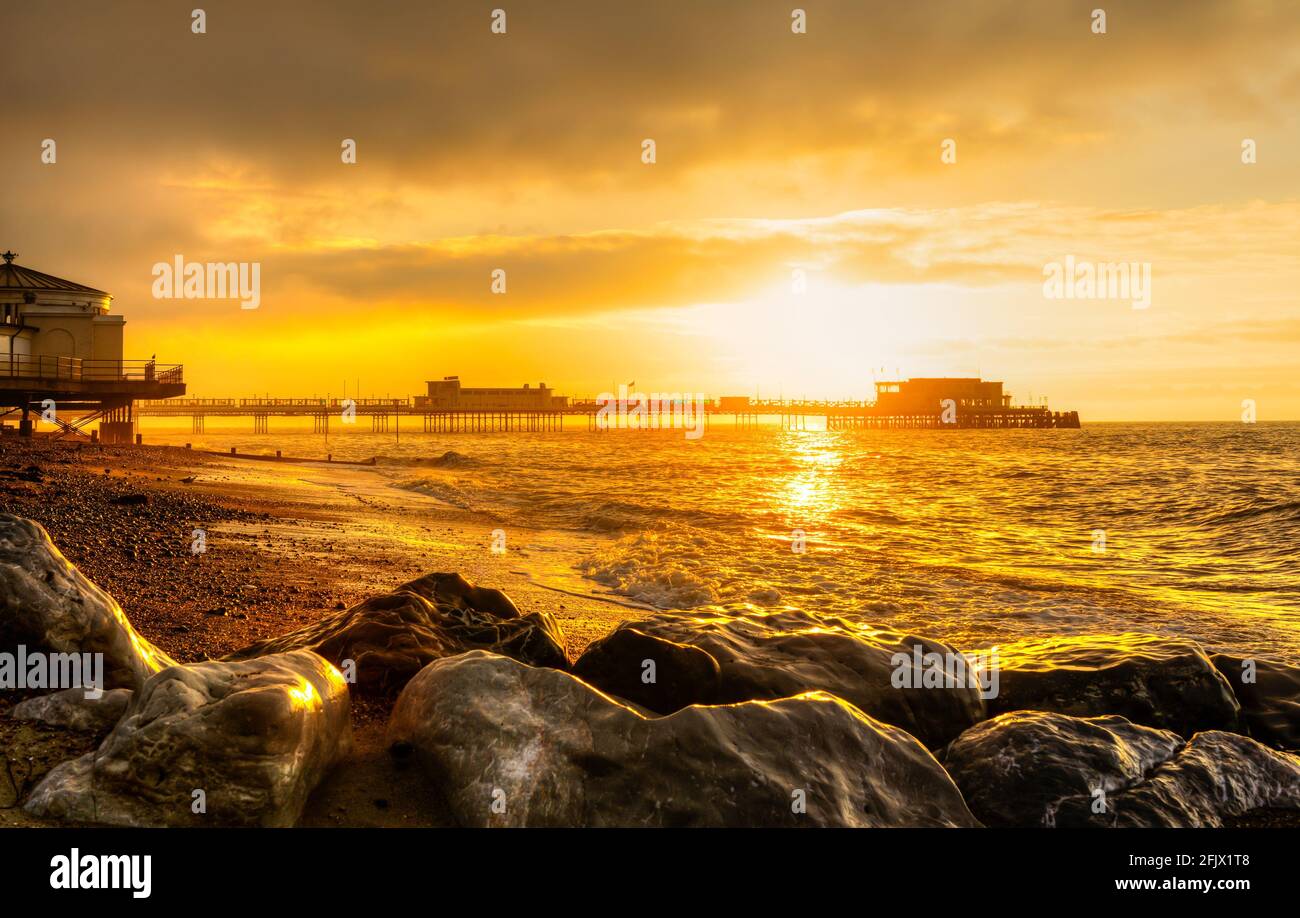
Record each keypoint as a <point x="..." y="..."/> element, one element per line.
<point x="679" y="264"/>
<point x="435" y="99"/>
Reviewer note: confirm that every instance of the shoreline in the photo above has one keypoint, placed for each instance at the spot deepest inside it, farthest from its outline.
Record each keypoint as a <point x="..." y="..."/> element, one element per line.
<point x="276" y="529"/>
<point x="284" y="546"/>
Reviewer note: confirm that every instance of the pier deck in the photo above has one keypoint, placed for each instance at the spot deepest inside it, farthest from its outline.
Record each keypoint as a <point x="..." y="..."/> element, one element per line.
<point x="72" y="393"/>
<point x="837" y="415"/>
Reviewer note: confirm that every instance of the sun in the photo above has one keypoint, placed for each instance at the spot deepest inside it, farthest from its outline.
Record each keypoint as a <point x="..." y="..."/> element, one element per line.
<point x="832" y="339"/>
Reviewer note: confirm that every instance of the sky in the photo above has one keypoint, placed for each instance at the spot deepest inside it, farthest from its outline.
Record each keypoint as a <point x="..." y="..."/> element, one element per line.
<point x="803" y="230"/>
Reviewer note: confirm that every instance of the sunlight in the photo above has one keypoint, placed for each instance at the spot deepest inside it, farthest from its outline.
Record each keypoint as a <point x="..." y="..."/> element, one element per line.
<point x="833" y="339"/>
<point x="809" y="492"/>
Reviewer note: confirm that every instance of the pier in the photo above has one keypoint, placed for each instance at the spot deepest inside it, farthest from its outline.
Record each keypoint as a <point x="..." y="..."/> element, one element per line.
<point x="116" y="393"/>
<point x="385" y="415"/>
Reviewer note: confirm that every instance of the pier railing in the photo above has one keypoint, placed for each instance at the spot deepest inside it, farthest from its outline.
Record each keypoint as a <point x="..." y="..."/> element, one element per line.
<point x="25" y="366"/>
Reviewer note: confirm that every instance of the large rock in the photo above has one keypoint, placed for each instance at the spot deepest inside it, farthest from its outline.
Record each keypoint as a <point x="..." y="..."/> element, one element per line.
<point x="72" y="710"/>
<point x="1269" y="694"/>
<point x="253" y="737"/>
<point x="765" y="654"/>
<point x="513" y="745"/>
<point x="1157" y="681"/>
<point x="1038" y="769"/>
<point x="1016" y="769"/>
<point x="655" y="673"/>
<point x="1217" y="775"/>
<point x="390" y="638"/>
<point x="48" y="606"/>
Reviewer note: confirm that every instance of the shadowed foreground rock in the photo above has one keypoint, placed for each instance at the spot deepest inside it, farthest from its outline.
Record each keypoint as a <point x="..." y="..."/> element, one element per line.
<point x="1270" y="705"/>
<point x="71" y="708"/>
<point x="514" y="745"/>
<point x="1037" y="769"/>
<point x="1156" y="681"/>
<point x="392" y="637"/>
<point x="650" y="671"/>
<point x="775" y="654"/>
<point x="47" y="605"/>
<point x="255" y="737"/>
<point x="1015" y="769"/>
<point x="1217" y="775"/>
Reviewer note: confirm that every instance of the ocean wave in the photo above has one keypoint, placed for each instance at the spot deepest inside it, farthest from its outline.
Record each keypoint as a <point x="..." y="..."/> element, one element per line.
<point x="662" y="570"/>
<point x="439" y="490"/>
<point x="869" y="515"/>
<point x="448" y="460"/>
<point x="1286" y="510"/>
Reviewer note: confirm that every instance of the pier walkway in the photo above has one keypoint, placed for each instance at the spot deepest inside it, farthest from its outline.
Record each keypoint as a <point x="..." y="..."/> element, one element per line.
<point x="386" y="413"/>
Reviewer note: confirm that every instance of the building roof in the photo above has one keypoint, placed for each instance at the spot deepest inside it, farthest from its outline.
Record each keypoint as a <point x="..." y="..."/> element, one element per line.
<point x="16" y="277"/>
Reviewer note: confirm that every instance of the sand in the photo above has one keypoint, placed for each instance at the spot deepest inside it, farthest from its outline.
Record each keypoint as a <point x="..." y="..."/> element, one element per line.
<point x="284" y="543"/>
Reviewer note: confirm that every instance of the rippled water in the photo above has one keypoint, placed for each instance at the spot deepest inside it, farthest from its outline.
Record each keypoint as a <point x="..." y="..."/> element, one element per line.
<point x="977" y="537"/>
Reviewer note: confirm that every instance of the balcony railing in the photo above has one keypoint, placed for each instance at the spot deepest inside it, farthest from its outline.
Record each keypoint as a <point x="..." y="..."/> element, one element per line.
<point x="23" y="366"/>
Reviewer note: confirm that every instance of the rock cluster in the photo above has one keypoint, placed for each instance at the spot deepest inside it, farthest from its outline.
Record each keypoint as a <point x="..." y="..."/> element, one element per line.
<point x="715" y="718"/>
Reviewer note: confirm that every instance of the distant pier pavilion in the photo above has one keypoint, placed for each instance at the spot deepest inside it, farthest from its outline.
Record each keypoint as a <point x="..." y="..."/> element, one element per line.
<point x="447" y="407"/>
<point x="61" y="358"/>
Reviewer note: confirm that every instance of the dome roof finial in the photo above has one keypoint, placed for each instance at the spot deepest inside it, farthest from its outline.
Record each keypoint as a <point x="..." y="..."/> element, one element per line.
<point x="9" y="257"/>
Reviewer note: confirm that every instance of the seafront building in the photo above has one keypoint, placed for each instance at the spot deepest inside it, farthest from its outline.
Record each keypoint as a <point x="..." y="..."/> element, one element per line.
<point x="61" y="357"/>
<point x="922" y="394"/>
<point x="447" y="394"/>
<point x="46" y="316"/>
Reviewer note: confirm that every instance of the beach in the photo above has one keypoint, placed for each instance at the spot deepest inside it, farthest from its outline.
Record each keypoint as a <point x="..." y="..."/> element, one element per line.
<point x="210" y="553"/>
<point x="285" y="542"/>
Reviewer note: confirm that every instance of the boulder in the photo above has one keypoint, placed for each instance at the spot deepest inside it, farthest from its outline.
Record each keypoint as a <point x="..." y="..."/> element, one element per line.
<point x="390" y="638"/>
<point x="454" y="591"/>
<point x="655" y="673"/>
<point x="48" y="606"/>
<point x="1015" y="769"/>
<point x="253" y="737"/>
<point x="1156" y="681"/>
<point x="514" y="745"/>
<point x="1032" y="768"/>
<point x="1215" y="777"/>
<point x="765" y="654"/>
<point x="1269" y="694"/>
<point x="71" y="708"/>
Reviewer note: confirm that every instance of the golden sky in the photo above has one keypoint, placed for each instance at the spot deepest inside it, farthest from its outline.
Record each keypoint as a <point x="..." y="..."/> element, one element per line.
<point x="775" y="152"/>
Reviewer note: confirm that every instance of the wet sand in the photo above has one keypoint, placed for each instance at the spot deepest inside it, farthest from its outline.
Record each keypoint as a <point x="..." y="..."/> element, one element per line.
<point x="284" y="543"/>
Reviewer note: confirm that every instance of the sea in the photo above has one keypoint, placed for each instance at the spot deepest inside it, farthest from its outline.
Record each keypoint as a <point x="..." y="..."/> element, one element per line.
<point x="976" y="537"/>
